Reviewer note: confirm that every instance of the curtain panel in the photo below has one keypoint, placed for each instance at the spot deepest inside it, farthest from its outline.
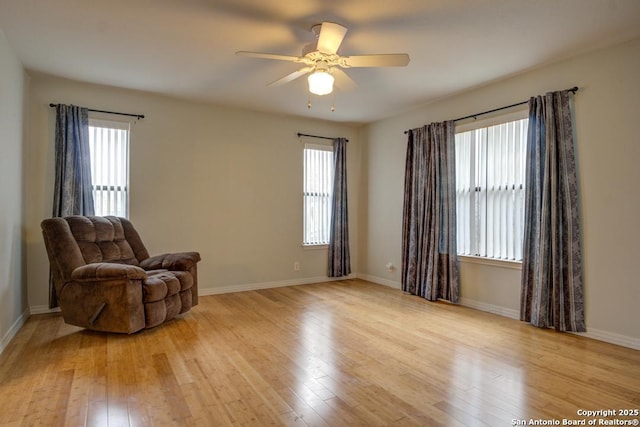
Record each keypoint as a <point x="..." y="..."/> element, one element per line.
<point x="552" y="289"/>
<point x="429" y="251"/>
<point x="73" y="192"/>
<point x="339" y="257"/>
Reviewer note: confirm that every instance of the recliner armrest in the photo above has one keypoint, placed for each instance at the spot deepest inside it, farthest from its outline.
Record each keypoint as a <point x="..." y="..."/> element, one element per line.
<point x="180" y="261"/>
<point x="107" y="271"/>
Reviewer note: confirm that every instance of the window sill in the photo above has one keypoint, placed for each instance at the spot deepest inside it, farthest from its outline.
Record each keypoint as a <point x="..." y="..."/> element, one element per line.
<point x="516" y="265"/>
<point x="314" y="247"/>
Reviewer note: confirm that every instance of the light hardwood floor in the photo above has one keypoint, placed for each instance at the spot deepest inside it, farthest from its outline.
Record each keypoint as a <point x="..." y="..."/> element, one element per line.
<point x="339" y="353"/>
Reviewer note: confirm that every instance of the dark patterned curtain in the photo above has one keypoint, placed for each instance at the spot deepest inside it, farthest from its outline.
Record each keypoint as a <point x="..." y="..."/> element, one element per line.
<point x="72" y="194"/>
<point x="339" y="258"/>
<point x="551" y="294"/>
<point x="429" y="253"/>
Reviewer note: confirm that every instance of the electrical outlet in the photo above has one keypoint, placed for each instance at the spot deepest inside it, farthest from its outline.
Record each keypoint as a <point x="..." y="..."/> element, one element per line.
<point x="296" y="266"/>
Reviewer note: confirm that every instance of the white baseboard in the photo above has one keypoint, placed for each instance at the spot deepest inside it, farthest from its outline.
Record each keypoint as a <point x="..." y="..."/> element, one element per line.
<point x="43" y="309"/>
<point x="595" y="334"/>
<point x="13" y="330"/>
<point x="380" y="281"/>
<point x="495" y="309"/>
<point x="610" y="337"/>
<point x="269" y="285"/>
<point x="491" y="308"/>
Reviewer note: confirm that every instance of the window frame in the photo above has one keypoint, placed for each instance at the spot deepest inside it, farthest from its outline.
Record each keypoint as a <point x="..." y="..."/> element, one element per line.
<point x="321" y="146"/>
<point x="109" y="123"/>
<point x="518" y="113"/>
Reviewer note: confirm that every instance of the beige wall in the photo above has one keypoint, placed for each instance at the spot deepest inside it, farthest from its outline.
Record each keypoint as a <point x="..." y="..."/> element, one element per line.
<point x="13" y="94"/>
<point x="221" y="181"/>
<point x="608" y="149"/>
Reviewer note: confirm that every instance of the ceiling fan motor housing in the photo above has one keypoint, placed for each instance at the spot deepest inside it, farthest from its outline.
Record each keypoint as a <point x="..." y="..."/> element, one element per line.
<point x="309" y="48"/>
<point x="322" y="66"/>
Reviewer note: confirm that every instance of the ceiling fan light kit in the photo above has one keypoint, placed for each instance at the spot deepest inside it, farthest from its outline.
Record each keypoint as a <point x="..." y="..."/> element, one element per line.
<point x="321" y="60"/>
<point x="320" y="83"/>
<point x="321" y="80"/>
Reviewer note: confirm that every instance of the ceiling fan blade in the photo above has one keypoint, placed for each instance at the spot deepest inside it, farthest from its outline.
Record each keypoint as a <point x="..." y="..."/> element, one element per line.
<point x="381" y="60"/>
<point x="290" y="77"/>
<point x="331" y="35"/>
<point x="269" y="56"/>
<point x="343" y="81"/>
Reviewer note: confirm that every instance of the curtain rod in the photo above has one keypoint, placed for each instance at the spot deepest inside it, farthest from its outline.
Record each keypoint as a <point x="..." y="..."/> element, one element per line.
<point x="138" y="116"/>
<point x="573" y="89"/>
<point x="316" y="136"/>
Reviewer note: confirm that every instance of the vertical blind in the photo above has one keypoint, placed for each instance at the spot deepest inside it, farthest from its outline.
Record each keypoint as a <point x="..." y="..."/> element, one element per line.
<point x="490" y="180"/>
<point x="317" y="191"/>
<point x="109" y="145"/>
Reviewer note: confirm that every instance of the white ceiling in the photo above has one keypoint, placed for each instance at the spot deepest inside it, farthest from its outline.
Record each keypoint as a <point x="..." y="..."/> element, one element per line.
<point x="186" y="48"/>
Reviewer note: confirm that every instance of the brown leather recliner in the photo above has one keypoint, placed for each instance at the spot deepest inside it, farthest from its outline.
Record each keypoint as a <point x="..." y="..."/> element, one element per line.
<point x="105" y="279"/>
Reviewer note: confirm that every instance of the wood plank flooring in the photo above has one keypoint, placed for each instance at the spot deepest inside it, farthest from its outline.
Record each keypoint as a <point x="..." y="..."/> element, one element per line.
<point x="332" y="354"/>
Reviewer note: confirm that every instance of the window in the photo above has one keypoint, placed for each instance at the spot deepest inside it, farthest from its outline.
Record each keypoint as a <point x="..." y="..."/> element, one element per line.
<point x="109" y="146"/>
<point x="317" y="193"/>
<point x="490" y="180"/>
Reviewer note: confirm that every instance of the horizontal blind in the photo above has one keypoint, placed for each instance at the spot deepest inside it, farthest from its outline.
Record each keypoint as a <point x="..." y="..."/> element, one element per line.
<point x="109" y="145"/>
<point x="317" y="192"/>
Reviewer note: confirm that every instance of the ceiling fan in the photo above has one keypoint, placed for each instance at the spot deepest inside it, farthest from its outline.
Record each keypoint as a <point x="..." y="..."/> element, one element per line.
<point x="322" y="61"/>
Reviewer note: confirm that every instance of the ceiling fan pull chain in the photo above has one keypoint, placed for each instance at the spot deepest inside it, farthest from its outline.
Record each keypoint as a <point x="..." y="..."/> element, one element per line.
<point x="309" y="101"/>
<point x="333" y="101"/>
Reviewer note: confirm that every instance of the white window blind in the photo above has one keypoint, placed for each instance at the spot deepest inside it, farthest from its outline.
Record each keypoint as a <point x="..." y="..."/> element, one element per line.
<point x="109" y="145"/>
<point x="317" y="193"/>
<point x="490" y="182"/>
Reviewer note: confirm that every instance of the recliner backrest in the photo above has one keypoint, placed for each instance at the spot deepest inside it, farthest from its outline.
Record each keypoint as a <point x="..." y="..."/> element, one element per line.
<point x="101" y="239"/>
<point x="74" y="241"/>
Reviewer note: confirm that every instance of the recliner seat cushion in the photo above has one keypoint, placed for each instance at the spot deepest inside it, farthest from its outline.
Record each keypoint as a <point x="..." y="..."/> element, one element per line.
<point x="185" y="278"/>
<point x="164" y="283"/>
